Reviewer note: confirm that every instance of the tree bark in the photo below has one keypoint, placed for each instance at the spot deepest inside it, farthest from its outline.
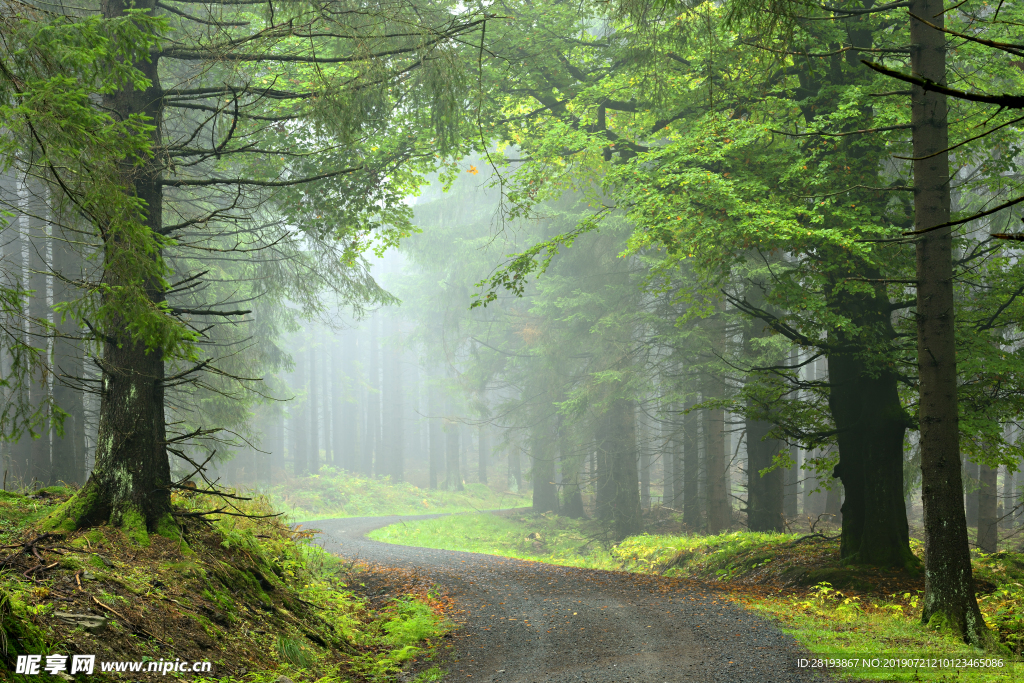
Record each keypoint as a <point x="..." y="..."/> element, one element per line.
<point x="949" y="582"/>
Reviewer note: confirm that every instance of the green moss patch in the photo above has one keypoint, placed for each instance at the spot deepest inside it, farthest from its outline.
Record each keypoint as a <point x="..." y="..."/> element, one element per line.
<point x="224" y="590"/>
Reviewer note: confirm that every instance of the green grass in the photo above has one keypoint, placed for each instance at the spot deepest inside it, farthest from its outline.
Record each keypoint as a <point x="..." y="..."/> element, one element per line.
<point x="754" y="566"/>
<point x="558" y="540"/>
<point x="332" y="494"/>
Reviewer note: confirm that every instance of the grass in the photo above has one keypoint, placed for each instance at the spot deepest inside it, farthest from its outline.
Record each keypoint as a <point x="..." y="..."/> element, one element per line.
<point x="250" y="595"/>
<point x="333" y="494"/>
<point x="833" y="610"/>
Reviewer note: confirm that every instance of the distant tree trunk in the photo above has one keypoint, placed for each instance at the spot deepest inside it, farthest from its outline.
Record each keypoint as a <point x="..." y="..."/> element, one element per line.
<point x="313" y="406"/>
<point x="515" y="469"/>
<point x="38" y="313"/>
<point x="342" y="428"/>
<point x="691" y="467"/>
<point x="791" y="498"/>
<point x="645" y="469"/>
<point x="69" y="448"/>
<point x="668" y="457"/>
<point x="949" y="582"/>
<point x="453" y="469"/>
<point x="392" y="434"/>
<point x="764" y="492"/>
<point x="300" y="417"/>
<point x="618" y="481"/>
<point x="988" y="506"/>
<point x="1009" y="498"/>
<point x="279" y="445"/>
<point x="719" y="508"/>
<point x="542" y="455"/>
<point x="484" y="441"/>
<point x="571" y="466"/>
<point x="373" y="403"/>
<point x="435" y="436"/>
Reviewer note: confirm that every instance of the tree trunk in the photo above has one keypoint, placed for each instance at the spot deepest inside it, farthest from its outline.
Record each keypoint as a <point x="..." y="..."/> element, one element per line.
<point x="988" y="509"/>
<point x="299" y="421"/>
<point x="313" y="403"/>
<point x="343" y="432"/>
<point x="69" y="447"/>
<point x="543" y="445"/>
<point x="668" y="457"/>
<point x="453" y="469"/>
<point x="572" y="466"/>
<point x="645" y="469"/>
<point x="373" y="462"/>
<point x="791" y="498"/>
<point x="719" y="509"/>
<point x="38" y="314"/>
<point x="618" y="481"/>
<point x="764" y="492"/>
<point x="130" y="484"/>
<point x="971" y="484"/>
<point x="691" y="468"/>
<point x="484" y="441"/>
<point x="435" y="437"/>
<point x="870" y="423"/>
<point x="515" y="468"/>
<point x="949" y="582"/>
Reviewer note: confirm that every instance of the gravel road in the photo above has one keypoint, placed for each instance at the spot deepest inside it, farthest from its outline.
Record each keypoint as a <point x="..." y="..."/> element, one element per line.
<point x="527" y="622"/>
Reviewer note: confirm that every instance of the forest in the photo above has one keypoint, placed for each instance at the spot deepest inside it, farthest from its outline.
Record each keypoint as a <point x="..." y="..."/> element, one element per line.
<point x="726" y="270"/>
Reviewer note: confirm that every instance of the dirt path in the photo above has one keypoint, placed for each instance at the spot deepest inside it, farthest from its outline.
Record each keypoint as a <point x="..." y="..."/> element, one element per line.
<point x="528" y="622"/>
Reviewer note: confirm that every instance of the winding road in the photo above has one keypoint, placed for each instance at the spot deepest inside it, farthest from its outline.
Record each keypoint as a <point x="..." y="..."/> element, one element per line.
<point x="527" y="622"/>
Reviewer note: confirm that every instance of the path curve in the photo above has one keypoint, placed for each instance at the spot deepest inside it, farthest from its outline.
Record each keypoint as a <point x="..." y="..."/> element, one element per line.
<point x="528" y="622"/>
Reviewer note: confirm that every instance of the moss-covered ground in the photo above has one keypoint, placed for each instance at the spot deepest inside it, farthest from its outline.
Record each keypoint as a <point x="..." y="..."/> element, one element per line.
<point x="331" y="494"/>
<point x="796" y="580"/>
<point x="250" y="595"/>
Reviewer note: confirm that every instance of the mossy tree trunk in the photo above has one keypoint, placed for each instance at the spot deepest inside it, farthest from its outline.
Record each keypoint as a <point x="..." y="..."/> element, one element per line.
<point x="130" y="482"/>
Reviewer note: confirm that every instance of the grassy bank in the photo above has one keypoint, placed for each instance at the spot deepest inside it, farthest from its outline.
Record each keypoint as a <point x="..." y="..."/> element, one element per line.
<point x="795" y="580"/>
<point x="341" y="494"/>
<point x="248" y="595"/>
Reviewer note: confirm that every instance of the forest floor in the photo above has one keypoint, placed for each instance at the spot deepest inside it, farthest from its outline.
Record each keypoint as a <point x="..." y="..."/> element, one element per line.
<point x="250" y="596"/>
<point x="795" y="580"/>
<point x="332" y="494"/>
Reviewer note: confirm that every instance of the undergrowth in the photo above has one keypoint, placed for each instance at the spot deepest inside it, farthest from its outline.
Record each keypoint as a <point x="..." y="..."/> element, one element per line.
<point x="250" y="595"/>
<point x="332" y="494"/>
<point x="794" y="579"/>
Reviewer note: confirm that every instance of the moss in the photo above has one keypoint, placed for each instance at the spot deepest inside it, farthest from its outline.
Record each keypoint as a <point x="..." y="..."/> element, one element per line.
<point x="10" y="495"/>
<point x="168" y="528"/>
<point x="133" y="524"/>
<point x="80" y="510"/>
<point x="54" y="491"/>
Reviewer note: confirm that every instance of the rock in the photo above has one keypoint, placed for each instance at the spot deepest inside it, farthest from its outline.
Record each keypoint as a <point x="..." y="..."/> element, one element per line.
<point x="90" y="622"/>
<point x="283" y="679"/>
